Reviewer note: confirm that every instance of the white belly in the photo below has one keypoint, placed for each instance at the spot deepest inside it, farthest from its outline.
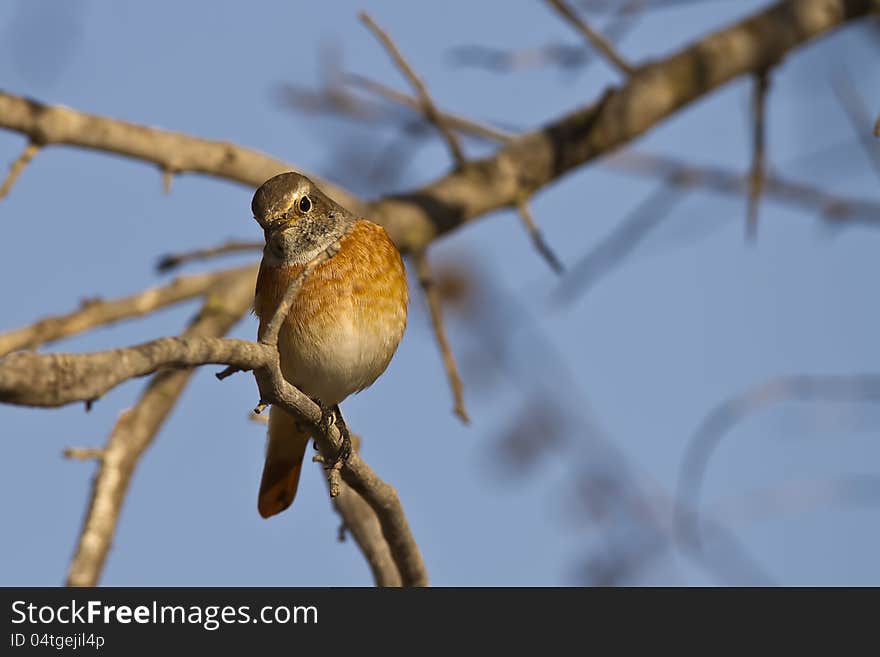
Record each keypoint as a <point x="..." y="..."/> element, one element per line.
<point x="339" y="360"/>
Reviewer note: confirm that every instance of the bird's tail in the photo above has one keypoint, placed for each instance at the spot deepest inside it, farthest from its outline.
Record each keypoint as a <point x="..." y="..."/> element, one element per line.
<point x="284" y="458"/>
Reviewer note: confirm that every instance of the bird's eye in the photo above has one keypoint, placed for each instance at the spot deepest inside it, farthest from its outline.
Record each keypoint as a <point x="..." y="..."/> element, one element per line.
<point x="305" y="204"/>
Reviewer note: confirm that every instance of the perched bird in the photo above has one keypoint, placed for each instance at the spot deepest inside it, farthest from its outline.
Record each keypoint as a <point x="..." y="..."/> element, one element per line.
<point x="345" y="323"/>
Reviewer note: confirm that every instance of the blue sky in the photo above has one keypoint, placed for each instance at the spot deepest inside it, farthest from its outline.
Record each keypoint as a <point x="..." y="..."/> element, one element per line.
<point x="692" y="318"/>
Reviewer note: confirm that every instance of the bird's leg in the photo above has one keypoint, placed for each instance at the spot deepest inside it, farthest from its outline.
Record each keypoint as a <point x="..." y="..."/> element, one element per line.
<point x="331" y="415"/>
<point x="345" y="449"/>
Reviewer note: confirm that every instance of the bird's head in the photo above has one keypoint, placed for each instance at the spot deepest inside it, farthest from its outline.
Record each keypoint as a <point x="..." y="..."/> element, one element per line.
<point x="298" y="219"/>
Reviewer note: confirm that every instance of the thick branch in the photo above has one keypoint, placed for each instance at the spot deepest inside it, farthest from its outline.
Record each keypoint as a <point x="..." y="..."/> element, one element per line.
<point x="172" y="152"/>
<point x="360" y="521"/>
<point x="655" y="92"/>
<point x="49" y="380"/>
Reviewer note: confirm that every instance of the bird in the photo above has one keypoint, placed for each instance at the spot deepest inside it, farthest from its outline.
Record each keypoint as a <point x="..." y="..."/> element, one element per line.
<point x="345" y="322"/>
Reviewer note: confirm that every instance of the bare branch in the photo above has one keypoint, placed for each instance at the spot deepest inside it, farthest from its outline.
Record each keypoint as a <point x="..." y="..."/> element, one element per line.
<point x="454" y="121"/>
<point x="360" y="521"/>
<point x="427" y="105"/>
<point x="758" y="173"/>
<point x="48" y="380"/>
<point x="173" y="260"/>
<point x="857" y="113"/>
<point x="363" y="525"/>
<point x="101" y="313"/>
<point x="84" y="453"/>
<point x="599" y="42"/>
<point x="656" y="91"/>
<point x="170" y="151"/>
<point x="795" y="497"/>
<point x="137" y="427"/>
<point x="269" y="334"/>
<point x="617" y="245"/>
<point x="537" y="238"/>
<point x="18" y="166"/>
<point x="830" y="206"/>
<point x="434" y="306"/>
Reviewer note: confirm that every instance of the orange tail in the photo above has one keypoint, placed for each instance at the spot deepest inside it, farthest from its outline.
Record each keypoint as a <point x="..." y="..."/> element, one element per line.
<point x="284" y="458"/>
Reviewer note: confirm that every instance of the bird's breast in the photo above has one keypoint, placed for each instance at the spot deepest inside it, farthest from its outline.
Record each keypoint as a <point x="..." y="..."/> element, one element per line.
<point x="347" y="319"/>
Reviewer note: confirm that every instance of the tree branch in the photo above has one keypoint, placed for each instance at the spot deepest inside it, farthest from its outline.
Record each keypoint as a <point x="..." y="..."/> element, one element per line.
<point x="174" y="260"/>
<point x="538" y="241"/>
<point x="599" y="42"/>
<point x="175" y="152"/>
<point x="723" y="181"/>
<point x="426" y="103"/>
<point x="758" y="173"/>
<point x="18" y="166"/>
<point x="359" y="520"/>
<point x="423" y="271"/>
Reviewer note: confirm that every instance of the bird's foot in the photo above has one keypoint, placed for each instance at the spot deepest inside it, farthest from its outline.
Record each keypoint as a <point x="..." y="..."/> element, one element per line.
<point x="331" y="415"/>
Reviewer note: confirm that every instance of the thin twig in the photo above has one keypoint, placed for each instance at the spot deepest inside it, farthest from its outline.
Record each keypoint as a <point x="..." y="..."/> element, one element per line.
<point x="268" y="334"/>
<point x="167" y="179"/>
<point x="857" y="113"/>
<point x="84" y="453"/>
<point x="257" y="417"/>
<point x="427" y="105"/>
<point x="454" y="121"/>
<point x="724" y="181"/>
<point x="101" y="313"/>
<point x="599" y="42"/>
<point x="434" y="306"/>
<point x="537" y="238"/>
<point x="173" y="260"/>
<point x="18" y="166"/>
<point x="617" y="245"/>
<point x="757" y="175"/>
